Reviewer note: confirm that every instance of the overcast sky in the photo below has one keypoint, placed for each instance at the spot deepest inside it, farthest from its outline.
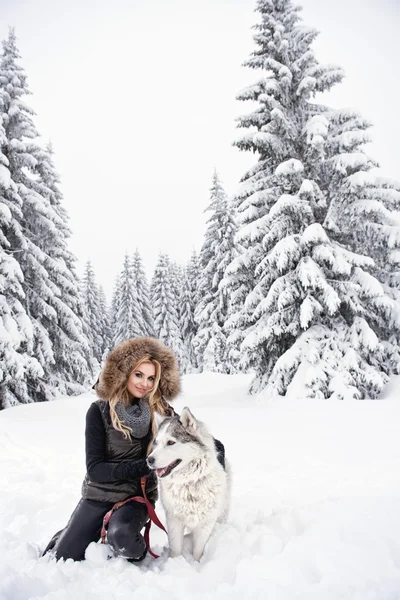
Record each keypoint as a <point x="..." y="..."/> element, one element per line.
<point x="138" y="98"/>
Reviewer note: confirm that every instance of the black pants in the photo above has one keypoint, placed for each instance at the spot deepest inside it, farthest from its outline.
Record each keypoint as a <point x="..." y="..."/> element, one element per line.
<point x="84" y="526"/>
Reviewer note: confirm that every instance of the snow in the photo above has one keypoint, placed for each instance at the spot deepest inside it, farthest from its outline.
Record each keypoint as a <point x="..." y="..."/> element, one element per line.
<point x="308" y="308"/>
<point x="306" y="85"/>
<point x="5" y="178"/>
<point x="289" y="167"/>
<point x="360" y="179"/>
<point x="315" y="502"/>
<point x="314" y="234"/>
<point x="355" y="161"/>
<point x="307" y="187"/>
<point x="361" y="334"/>
<point x="369" y="285"/>
<point x="317" y="128"/>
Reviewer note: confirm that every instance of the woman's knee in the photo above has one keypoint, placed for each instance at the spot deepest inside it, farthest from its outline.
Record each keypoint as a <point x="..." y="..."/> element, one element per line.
<point x="83" y="528"/>
<point x="125" y="542"/>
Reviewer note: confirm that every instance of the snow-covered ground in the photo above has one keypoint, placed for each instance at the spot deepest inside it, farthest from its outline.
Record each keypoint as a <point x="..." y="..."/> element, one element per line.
<point x="315" y="507"/>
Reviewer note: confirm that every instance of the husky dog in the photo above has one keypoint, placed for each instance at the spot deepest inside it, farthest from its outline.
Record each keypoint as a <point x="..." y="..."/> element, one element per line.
<point x="194" y="486"/>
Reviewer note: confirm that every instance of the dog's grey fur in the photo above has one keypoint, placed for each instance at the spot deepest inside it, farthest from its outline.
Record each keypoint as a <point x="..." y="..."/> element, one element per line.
<point x="195" y="494"/>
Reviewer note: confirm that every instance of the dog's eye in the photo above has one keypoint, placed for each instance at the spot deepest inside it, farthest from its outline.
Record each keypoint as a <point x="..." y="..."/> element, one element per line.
<point x="170" y="443"/>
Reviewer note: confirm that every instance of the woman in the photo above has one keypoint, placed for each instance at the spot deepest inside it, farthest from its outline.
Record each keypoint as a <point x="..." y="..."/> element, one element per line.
<point x="137" y="379"/>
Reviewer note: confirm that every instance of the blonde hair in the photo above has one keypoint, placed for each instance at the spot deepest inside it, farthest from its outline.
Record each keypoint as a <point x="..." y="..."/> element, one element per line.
<point x="155" y="399"/>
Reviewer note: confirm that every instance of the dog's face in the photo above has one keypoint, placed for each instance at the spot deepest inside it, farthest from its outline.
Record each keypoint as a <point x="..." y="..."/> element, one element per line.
<point x="175" y="444"/>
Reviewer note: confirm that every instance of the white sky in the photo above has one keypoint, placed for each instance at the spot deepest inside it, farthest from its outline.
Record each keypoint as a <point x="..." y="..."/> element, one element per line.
<point x="138" y="98"/>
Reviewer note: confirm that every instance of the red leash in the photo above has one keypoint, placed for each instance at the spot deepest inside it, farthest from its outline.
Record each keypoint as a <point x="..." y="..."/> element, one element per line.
<point x="152" y="516"/>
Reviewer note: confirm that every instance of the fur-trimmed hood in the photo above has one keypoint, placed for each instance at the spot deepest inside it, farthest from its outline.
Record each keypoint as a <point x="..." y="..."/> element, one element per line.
<point x="120" y="361"/>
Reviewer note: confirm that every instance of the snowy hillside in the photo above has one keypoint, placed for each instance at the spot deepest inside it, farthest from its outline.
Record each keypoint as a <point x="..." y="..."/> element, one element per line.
<point x="315" y="508"/>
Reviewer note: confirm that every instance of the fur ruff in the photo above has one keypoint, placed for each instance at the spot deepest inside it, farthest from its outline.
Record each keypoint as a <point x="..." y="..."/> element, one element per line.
<point x="121" y="360"/>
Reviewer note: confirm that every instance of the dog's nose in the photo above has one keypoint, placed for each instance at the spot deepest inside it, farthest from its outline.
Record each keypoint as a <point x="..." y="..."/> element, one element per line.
<point x="150" y="460"/>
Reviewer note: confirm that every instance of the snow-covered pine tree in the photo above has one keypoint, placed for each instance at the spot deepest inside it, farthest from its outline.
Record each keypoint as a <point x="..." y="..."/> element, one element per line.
<point x="166" y="321"/>
<point x="71" y="370"/>
<point x="360" y="216"/>
<point x="128" y="315"/>
<point x="105" y="324"/>
<point x="187" y="324"/>
<point x="20" y="149"/>
<point x="143" y="294"/>
<point x="308" y="317"/>
<point x="45" y="276"/>
<point x="361" y="204"/>
<point x="17" y="364"/>
<point x="115" y="302"/>
<point x="176" y="277"/>
<point x="193" y="275"/>
<point x="176" y="272"/>
<point x="93" y="316"/>
<point x="218" y="251"/>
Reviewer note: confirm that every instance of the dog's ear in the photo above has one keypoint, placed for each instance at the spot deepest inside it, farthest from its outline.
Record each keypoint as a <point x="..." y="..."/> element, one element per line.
<point x="158" y="419"/>
<point x="188" y="420"/>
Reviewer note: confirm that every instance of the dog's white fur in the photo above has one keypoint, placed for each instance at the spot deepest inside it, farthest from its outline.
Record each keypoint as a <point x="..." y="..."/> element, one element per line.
<point x="196" y="493"/>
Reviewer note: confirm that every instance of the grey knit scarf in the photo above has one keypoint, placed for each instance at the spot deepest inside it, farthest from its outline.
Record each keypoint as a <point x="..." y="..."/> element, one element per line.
<point x="136" y="416"/>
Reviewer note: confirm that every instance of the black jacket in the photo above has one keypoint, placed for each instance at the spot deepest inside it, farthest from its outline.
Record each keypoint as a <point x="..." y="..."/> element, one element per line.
<point x="114" y="464"/>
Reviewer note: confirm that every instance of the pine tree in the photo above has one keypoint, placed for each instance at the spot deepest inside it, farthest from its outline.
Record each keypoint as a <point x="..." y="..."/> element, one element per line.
<point x="176" y="272"/>
<point x="193" y="275"/>
<point x="361" y="205"/>
<point x="20" y="150"/>
<point x="115" y="304"/>
<point x="177" y="283"/>
<point x="72" y="356"/>
<point x="166" y="320"/>
<point x="38" y="244"/>
<point x="189" y="301"/>
<point x="143" y="294"/>
<point x="187" y="325"/>
<point x="212" y="311"/>
<point x="16" y="333"/>
<point x="93" y="315"/>
<point x="105" y="324"/>
<point x="308" y="300"/>
<point x="128" y="315"/>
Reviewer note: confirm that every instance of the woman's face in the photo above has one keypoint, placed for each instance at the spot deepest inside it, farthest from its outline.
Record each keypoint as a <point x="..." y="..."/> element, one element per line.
<point x="141" y="380"/>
